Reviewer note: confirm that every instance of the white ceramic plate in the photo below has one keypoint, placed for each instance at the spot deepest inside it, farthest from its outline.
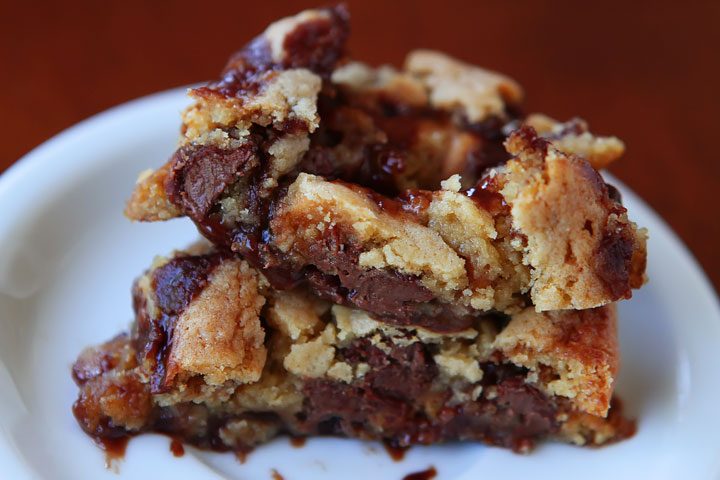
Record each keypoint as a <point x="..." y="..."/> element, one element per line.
<point x="68" y="260"/>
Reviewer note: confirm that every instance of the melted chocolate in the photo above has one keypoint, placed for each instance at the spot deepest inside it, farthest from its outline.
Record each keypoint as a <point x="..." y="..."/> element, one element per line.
<point x="614" y="193"/>
<point x="332" y="272"/>
<point x="613" y="261"/>
<point x="201" y="173"/>
<point x="316" y="45"/>
<point x="390" y="371"/>
<point x="391" y="396"/>
<point x="336" y="256"/>
<point x="319" y="44"/>
<point x="386" y="162"/>
<point x="535" y="142"/>
<point x="348" y="146"/>
<point x="491" y="152"/>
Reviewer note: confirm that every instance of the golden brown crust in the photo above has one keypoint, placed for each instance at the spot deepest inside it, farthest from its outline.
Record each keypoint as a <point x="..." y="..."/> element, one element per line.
<point x="574" y="138"/>
<point x="454" y="85"/>
<point x="285" y="96"/>
<point x="219" y="335"/>
<point x="149" y="201"/>
<point x="398" y="86"/>
<point x="579" y="347"/>
<point x="582" y="248"/>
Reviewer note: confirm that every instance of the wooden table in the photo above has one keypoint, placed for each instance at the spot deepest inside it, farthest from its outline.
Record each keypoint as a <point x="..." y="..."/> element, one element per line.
<point x="648" y="72"/>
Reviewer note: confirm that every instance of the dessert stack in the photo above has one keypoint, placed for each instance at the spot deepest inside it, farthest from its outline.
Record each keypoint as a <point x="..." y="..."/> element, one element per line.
<point x="388" y="254"/>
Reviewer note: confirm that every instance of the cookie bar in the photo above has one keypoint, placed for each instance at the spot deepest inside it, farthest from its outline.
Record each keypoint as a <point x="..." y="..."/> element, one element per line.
<point x="220" y="360"/>
<point x="420" y="195"/>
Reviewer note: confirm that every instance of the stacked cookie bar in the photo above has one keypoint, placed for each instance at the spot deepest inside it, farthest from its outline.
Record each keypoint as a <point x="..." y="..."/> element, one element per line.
<point x="390" y="254"/>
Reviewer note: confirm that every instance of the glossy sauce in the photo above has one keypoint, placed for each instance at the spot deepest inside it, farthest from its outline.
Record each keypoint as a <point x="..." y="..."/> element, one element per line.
<point x="298" y="442"/>
<point x="486" y="196"/>
<point x="476" y="278"/>
<point x="396" y="453"/>
<point x="213" y="229"/>
<point x="424" y="475"/>
<point x="416" y="201"/>
<point x="114" y="449"/>
<point x="386" y="204"/>
<point x="176" y="447"/>
<point x="242" y="455"/>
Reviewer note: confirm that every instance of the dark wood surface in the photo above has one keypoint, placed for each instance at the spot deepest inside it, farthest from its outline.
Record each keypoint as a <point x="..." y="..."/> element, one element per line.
<point x="648" y="72"/>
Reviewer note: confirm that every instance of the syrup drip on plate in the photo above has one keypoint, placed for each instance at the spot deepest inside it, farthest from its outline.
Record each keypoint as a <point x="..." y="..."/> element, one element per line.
<point x="427" y="474"/>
